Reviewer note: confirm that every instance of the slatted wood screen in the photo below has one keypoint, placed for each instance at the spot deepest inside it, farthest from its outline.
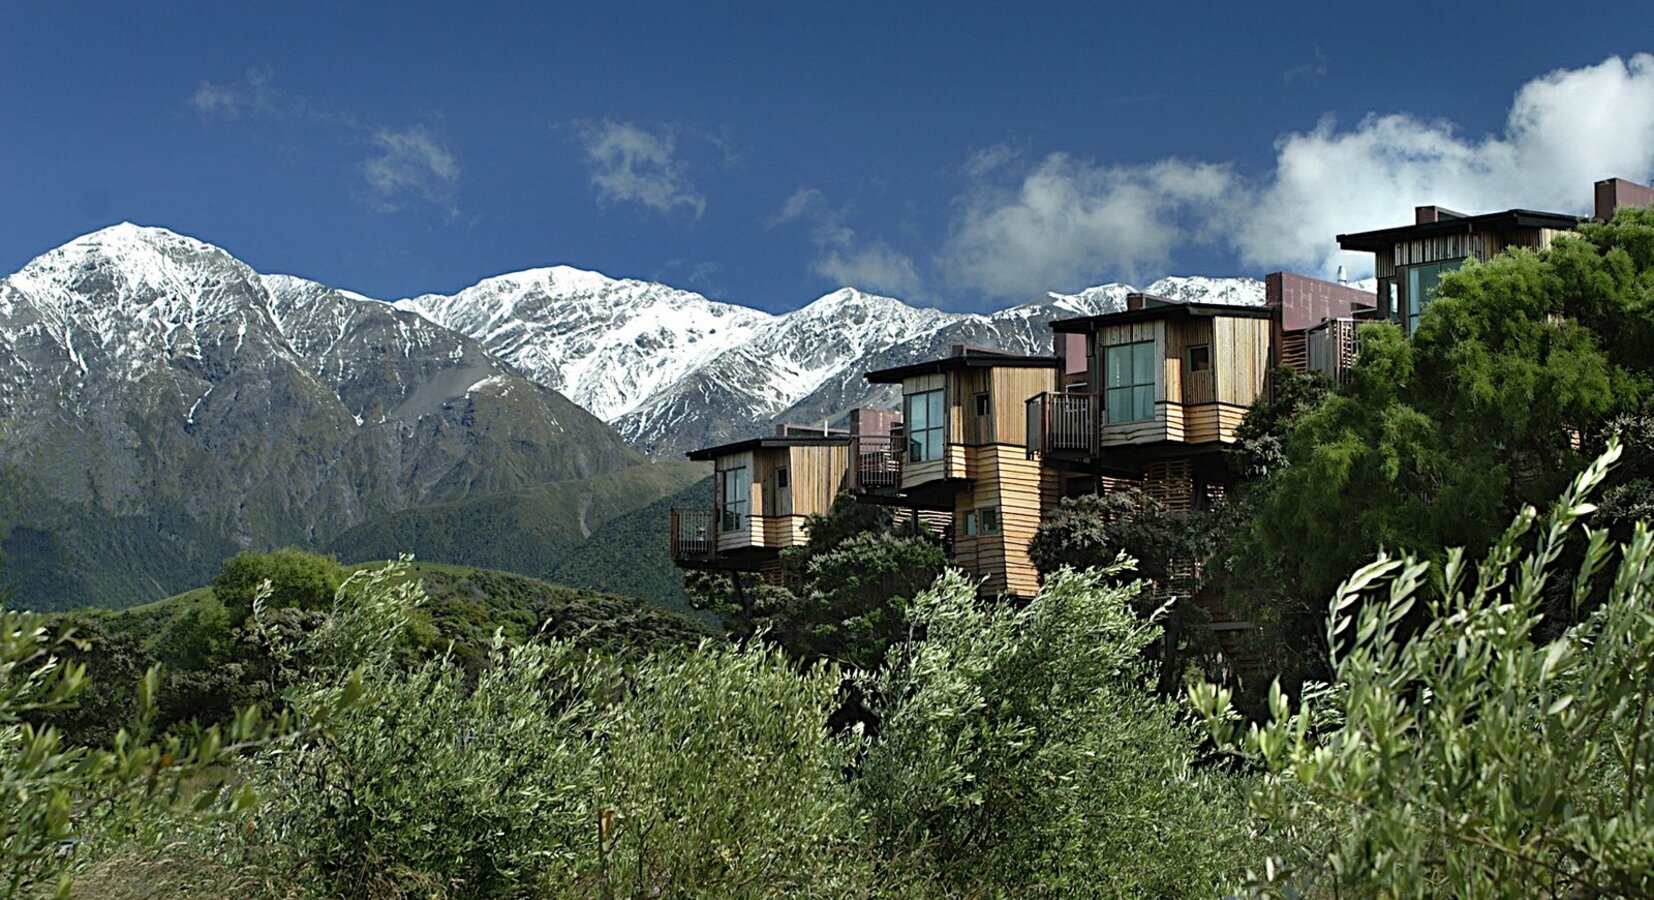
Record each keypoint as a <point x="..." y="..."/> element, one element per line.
<point x="1295" y="352"/>
<point x="1172" y="482"/>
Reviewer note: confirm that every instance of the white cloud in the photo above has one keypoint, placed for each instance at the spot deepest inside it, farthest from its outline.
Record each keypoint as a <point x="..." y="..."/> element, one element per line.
<point x="1068" y="223"/>
<point x="875" y="266"/>
<point x="1064" y="222"/>
<point x="804" y="200"/>
<point x="1308" y="71"/>
<point x="1565" y="130"/>
<point x="412" y="162"/>
<point x="216" y="101"/>
<point x="842" y="256"/>
<point x="632" y="164"/>
<point x="256" y="94"/>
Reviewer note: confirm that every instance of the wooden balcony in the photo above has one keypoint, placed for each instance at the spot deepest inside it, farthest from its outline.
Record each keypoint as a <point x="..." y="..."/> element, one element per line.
<point x="694" y="535"/>
<point x="1063" y="424"/>
<point x="876" y="463"/>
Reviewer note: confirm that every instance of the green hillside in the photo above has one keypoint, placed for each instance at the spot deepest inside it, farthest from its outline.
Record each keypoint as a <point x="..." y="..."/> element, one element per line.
<point x="606" y="533"/>
<point x="465" y="605"/>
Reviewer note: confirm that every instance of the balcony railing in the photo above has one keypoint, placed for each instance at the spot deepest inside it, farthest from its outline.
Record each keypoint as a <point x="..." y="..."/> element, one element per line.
<point x="876" y="462"/>
<point x="694" y="534"/>
<point x="1063" y="423"/>
<point x="1332" y="348"/>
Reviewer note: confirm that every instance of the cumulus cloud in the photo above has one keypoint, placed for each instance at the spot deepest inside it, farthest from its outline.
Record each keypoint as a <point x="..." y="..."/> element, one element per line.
<point x="874" y="266"/>
<point x="1565" y="130"/>
<point x="635" y="165"/>
<point x="1065" y="221"/>
<point x="411" y="162"/>
<point x="843" y="257"/>
<point x="1024" y="226"/>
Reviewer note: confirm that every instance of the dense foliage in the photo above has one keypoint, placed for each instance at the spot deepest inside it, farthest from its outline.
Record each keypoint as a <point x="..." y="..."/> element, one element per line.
<point x="1473" y="758"/>
<point x="845" y="591"/>
<point x="1517" y="369"/>
<point x="1092" y="531"/>
<point x="704" y="773"/>
<point x="1023" y="750"/>
<point x="292" y="578"/>
<point x="213" y="663"/>
<point x="57" y="793"/>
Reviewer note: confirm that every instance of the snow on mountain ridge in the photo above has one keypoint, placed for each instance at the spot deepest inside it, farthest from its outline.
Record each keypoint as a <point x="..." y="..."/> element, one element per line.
<point x="606" y="343"/>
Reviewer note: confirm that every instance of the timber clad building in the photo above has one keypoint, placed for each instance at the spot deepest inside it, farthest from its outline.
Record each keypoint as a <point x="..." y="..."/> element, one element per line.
<point x="965" y="456"/>
<point x="764" y="488"/>
<point x="986" y="443"/>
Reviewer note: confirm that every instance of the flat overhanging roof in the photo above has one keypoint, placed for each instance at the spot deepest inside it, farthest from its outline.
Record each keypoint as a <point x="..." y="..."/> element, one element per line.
<point x="1510" y="219"/>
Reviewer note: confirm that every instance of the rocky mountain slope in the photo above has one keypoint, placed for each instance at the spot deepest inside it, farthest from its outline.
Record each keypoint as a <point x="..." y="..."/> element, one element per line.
<point x="162" y="404"/>
<point x="672" y="370"/>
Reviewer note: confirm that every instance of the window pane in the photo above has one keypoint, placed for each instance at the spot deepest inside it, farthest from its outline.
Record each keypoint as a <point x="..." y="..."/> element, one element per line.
<point x="935" y="412"/>
<point x="1142" y="360"/>
<point x="916" y="448"/>
<point x="916" y="412"/>
<point x="1119" y="404"/>
<point x="1143" y="405"/>
<point x="990" y="520"/>
<point x="1118" y="366"/>
<point x="933" y="444"/>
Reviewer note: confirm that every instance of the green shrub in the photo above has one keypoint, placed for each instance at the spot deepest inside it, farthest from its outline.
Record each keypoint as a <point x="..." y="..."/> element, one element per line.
<point x="1470" y="758"/>
<point x="560" y="771"/>
<point x="298" y="578"/>
<point x="1022" y="750"/>
<point x="59" y="796"/>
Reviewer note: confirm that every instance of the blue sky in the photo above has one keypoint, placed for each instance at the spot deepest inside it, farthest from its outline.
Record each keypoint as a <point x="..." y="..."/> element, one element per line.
<point x="958" y="154"/>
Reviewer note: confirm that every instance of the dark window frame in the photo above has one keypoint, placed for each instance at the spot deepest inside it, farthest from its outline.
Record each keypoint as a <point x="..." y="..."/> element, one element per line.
<point x="927" y="443"/>
<point x="1132" y="388"/>
<point x="734" y="511"/>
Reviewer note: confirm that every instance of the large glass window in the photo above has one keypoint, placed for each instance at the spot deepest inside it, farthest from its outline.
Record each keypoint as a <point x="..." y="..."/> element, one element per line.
<point x="1129" y="370"/>
<point x="924" y="421"/>
<point x="1418" y="287"/>
<point x="737" y="499"/>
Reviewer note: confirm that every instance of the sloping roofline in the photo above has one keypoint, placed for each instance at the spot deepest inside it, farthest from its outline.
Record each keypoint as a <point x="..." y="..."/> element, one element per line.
<point x="1086" y="324"/>
<point x="757" y="443"/>
<point x="968" y="359"/>
<point x="1385" y="238"/>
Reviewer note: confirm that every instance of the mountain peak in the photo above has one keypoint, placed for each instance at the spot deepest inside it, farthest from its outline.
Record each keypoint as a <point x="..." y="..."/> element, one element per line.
<point x="122" y="239"/>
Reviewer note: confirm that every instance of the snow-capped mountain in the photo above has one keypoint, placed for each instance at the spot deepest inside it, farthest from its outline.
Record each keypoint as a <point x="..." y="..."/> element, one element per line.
<point x="605" y="343"/>
<point x="673" y="370"/>
<point x="162" y="400"/>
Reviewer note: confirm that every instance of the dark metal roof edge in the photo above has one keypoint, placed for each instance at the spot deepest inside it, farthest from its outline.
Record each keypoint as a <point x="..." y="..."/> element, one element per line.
<point x="1520" y="218"/>
<point x="946" y="363"/>
<point x="1180" y="310"/>
<point x="741" y="446"/>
